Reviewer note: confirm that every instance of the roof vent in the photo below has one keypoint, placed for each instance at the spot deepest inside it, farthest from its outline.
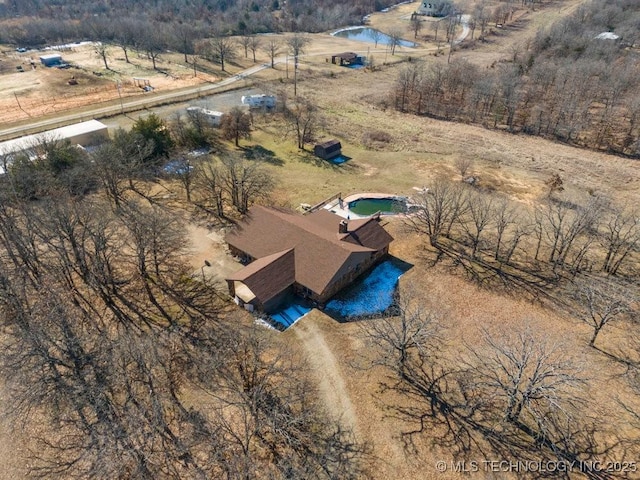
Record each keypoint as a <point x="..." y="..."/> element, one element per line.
<point x="343" y="227"/>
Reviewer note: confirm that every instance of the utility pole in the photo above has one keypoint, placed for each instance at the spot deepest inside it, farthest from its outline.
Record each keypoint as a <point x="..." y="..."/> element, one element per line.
<point x="118" y="85"/>
<point x="452" y="28"/>
<point x="295" y="76"/>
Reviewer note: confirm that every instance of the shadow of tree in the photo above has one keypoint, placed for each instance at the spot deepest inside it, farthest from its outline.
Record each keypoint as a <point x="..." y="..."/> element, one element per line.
<point x="259" y="153"/>
<point x="436" y="400"/>
<point x="308" y="157"/>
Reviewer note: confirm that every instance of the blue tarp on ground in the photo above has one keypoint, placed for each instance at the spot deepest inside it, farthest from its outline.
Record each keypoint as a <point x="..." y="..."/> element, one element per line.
<point x="372" y="295"/>
<point x="290" y="314"/>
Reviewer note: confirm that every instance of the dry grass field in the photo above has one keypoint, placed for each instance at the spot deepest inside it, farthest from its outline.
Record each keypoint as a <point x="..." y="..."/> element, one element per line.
<point x="354" y="105"/>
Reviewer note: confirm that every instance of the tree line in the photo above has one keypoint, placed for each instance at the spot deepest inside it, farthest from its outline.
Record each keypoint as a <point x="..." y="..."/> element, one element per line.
<point x="586" y="251"/>
<point x="566" y="84"/>
<point x="34" y="23"/>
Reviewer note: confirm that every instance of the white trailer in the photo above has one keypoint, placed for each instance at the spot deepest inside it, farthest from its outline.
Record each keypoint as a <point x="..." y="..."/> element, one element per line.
<point x="212" y="117"/>
<point x="257" y="101"/>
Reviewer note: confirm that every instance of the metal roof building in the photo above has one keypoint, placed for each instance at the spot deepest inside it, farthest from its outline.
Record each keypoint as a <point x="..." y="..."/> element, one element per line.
<point x="86" y="134"/>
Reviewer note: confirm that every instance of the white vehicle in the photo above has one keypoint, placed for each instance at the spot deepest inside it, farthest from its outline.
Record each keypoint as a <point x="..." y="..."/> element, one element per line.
<point x="256" y="101"/>
<point x="212" y="117"/>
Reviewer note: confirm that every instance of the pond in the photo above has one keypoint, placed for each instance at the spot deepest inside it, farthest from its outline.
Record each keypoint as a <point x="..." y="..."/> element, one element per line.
<point x="368" y="35"/>
<point x="369" y="206"/>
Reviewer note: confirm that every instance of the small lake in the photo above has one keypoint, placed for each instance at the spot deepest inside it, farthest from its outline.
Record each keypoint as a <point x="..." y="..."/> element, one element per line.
<point x="368" y="35"/>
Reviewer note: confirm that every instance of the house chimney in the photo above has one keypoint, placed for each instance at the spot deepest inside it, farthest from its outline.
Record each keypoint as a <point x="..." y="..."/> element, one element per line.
<point x="343" y="227"/>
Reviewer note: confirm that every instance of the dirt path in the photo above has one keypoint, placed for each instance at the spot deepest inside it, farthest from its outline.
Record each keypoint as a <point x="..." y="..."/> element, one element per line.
<point x="330" y="379"/>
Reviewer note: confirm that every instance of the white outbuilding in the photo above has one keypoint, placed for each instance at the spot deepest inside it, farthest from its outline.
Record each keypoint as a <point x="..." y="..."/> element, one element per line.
<point x="85" y="134"/>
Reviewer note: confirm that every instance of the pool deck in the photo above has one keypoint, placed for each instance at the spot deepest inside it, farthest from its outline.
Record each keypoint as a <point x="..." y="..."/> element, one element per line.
<point x="341" y="206"/>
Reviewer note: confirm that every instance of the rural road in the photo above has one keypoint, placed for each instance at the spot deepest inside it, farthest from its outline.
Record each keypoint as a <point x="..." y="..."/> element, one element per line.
<point x="159" y="98"/>
<point x="131" y="104"/>
<point x="464" y="21"/>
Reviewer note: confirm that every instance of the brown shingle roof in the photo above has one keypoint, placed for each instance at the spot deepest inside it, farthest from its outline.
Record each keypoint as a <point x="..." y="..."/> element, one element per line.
<point x="268" y="276"/>
<point x="349" y="56"/>
<point x="321" y="256"/>
<point x="368" y="233"/>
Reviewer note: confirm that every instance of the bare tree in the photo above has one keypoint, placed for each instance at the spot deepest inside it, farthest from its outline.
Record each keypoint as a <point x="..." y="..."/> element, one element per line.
<point x="416" y="25"/>
<point x="435" y="26"/>
<point x="245" y="181"/>
<point x="463" y="165"/>
<point x="223" y="49"/>
<point x="504" y="217"/>
<point x="376" y="36"/>
<point x="296" y="45"/>
<point x="244" y="41"/>
<point x="566" y="227"/>
<point x="601" y="302"/>
<point x="408" y="333"/>
<point x="303" y="118"/>
<point x="184" y="37"/>
<point x="395" y="40"/>
<point x="254" y="45"/>
<point x="529" y="382"/>
<point x="121" y="166"/>
<point x="235" y="125"/>
<point x="479" y="216"/>
<point x="620" y="237"/>
<point x="102" y="51"/>
<point x="95" y="322"/>
<point x="209" y="188"/>
<point x="125" y="36"/>
<point x="438" y="209"/>
<point x="153" y="42"/>
<point x="272" y="48"/>
<point x="261" y="415"/>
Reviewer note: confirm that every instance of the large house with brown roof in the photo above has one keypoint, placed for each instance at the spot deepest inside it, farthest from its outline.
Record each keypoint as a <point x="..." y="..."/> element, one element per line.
<point x="313" y="256"/>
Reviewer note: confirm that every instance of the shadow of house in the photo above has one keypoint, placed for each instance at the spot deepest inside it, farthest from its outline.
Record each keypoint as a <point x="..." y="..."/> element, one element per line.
<point x="313" y="256"/>
<point x="328" y="150"/>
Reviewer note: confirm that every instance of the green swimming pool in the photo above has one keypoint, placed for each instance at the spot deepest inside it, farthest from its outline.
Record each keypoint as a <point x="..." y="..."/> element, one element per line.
<point x="369" y="206"/>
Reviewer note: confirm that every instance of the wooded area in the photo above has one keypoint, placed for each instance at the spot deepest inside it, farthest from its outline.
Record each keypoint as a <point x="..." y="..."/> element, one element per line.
<point x="566" y="84"/>
<point x="36" y="23"/>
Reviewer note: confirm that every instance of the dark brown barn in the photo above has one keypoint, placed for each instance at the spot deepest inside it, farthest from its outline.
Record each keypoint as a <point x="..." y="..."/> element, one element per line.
<point x="328" y="150"/>
<point x="314" y="256"/>
<point x="346" y="59"/>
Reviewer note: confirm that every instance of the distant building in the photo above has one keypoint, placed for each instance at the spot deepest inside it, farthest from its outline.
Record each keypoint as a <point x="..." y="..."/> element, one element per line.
<point x="52" y="60"/>
<point x="435" y="8"/>
<point x="212" y="117"/>
<point x="313" y="256"/>
<point x="256" y="101"/>
<point x="328" y="150"/>
<point x="347" y="58"/>
<point x="85" y="134"/>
